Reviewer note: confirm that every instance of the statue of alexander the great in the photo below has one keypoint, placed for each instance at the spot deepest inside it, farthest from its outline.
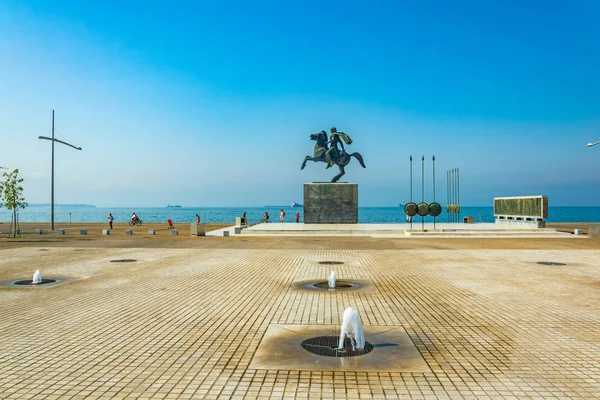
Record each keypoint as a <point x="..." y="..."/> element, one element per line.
<point x="329" y="153"/>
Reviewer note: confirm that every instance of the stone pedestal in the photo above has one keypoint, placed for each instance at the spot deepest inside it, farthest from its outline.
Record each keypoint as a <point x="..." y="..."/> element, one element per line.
<point x="330" y="203"/>
<point x="594" y="230"/>
<point x="197" y="229"/>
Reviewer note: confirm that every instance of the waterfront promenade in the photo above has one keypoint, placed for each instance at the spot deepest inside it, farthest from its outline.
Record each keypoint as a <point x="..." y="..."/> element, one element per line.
<point x="185" y="317"/>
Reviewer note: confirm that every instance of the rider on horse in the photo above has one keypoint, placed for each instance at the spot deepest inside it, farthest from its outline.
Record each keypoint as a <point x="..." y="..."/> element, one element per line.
<point x="333" y="154"/>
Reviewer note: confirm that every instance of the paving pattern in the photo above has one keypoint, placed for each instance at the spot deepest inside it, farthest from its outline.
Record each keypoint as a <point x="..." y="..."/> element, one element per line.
<point x="185" y="323"/>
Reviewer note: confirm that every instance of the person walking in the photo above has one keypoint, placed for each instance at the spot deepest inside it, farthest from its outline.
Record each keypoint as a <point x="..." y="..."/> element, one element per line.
<point x="281" y="215"/>
<point x="297" y="217"/>
<point x="197" y="218"/>
<point x="110" y="220"/>
<point x="266" y="217"/>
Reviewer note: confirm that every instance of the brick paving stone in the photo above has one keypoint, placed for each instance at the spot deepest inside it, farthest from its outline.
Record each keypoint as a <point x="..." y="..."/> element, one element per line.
<point x="185" y="323"/>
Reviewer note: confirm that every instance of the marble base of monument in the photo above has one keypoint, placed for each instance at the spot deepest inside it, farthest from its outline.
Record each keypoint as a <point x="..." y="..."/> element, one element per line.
<point x="594" y="230"/>
<point x="330" y="203"/>
<point x="520" y="221"/>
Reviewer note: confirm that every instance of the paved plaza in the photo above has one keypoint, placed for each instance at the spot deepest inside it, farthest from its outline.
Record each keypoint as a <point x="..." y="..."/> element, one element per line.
<point x="186" y="323"/>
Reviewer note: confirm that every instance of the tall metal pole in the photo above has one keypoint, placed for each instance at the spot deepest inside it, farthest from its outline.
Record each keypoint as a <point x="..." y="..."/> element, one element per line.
<point x="411" y="218"/>
<point x="448" y="194"/>
<point x="53" y="139"/>
<point x="455" y="197"/>
<point x="456" y="219"/>
<point x="422" y="189"/>
<point x="458" y="191"/>
<point x="453" y="186"/>
<point x="433" y="160"/>
<point x="411" y="179"/>
<point x="52" y="180"/>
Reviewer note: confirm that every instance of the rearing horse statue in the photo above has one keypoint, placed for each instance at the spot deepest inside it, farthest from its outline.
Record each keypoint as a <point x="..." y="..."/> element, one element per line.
<point x="331" y="155"/>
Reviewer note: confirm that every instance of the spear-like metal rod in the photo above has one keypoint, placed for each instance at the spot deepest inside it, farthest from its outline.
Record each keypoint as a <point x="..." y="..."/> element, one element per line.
<point x="411" y="187"/>
<point x="458" y="191"/>
<point x="422" y="189"/>
<point x="455" y="198"/>
<point x="448" y="194"/>
<point x="411" y="179"/>
<point x="453" y="194"/>
<point x="433" y="162"/>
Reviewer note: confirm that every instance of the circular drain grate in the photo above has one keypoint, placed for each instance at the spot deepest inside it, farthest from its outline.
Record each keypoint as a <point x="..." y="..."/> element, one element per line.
<point x="550" y="263"/>
<point x="125" y="260"/>
<point x="327" y="346"/>
<point x="331" y="262"/>
<point x="28" y="282"/>
<point x="338" y="285"/>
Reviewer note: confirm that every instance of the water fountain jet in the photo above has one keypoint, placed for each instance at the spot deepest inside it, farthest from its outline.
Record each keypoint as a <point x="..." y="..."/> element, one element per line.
<point x="353" y="329"/>
<point x="37" y="278"/>
<point x="331" y="280"/>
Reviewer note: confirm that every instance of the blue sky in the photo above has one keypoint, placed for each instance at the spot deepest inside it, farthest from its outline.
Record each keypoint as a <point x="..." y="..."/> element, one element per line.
<point x="212" y="103"/>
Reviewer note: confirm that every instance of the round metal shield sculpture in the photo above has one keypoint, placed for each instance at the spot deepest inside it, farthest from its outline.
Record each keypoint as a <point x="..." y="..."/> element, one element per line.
<point x="423" y="209"/>
<point x="435" y="209"/>
<point x="410" y="209"/>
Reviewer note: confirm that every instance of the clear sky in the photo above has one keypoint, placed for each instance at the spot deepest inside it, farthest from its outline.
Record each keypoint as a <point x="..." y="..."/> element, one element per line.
<point x="211" y="103"/>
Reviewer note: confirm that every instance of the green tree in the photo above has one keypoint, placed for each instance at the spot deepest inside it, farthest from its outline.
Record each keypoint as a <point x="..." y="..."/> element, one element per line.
<point x="11" y="195"/>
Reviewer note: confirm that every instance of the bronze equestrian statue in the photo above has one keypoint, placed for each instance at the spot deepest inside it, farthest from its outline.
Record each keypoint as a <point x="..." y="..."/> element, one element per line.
<point x="331" y="155"/>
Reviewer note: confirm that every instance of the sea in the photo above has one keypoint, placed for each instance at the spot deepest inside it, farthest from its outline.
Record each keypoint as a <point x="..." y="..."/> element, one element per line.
<point x="366" y="215"/>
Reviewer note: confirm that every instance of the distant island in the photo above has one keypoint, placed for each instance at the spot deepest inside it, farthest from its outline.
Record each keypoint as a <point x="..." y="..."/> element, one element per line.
<point x="60" y="205"/>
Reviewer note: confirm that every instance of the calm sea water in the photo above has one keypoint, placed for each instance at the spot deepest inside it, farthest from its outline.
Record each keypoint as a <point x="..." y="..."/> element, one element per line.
<point x="375" y="215"/>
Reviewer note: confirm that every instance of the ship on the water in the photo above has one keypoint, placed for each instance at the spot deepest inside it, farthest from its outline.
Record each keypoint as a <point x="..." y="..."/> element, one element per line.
<point x="173" y="206"/>
<point x="294" y="204"/>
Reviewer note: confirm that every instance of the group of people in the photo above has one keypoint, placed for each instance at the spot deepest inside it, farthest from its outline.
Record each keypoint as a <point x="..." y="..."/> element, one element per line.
<point x="281" y="217"/>
<point x="111" y="218"/>
<point x="135" y="218"/>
